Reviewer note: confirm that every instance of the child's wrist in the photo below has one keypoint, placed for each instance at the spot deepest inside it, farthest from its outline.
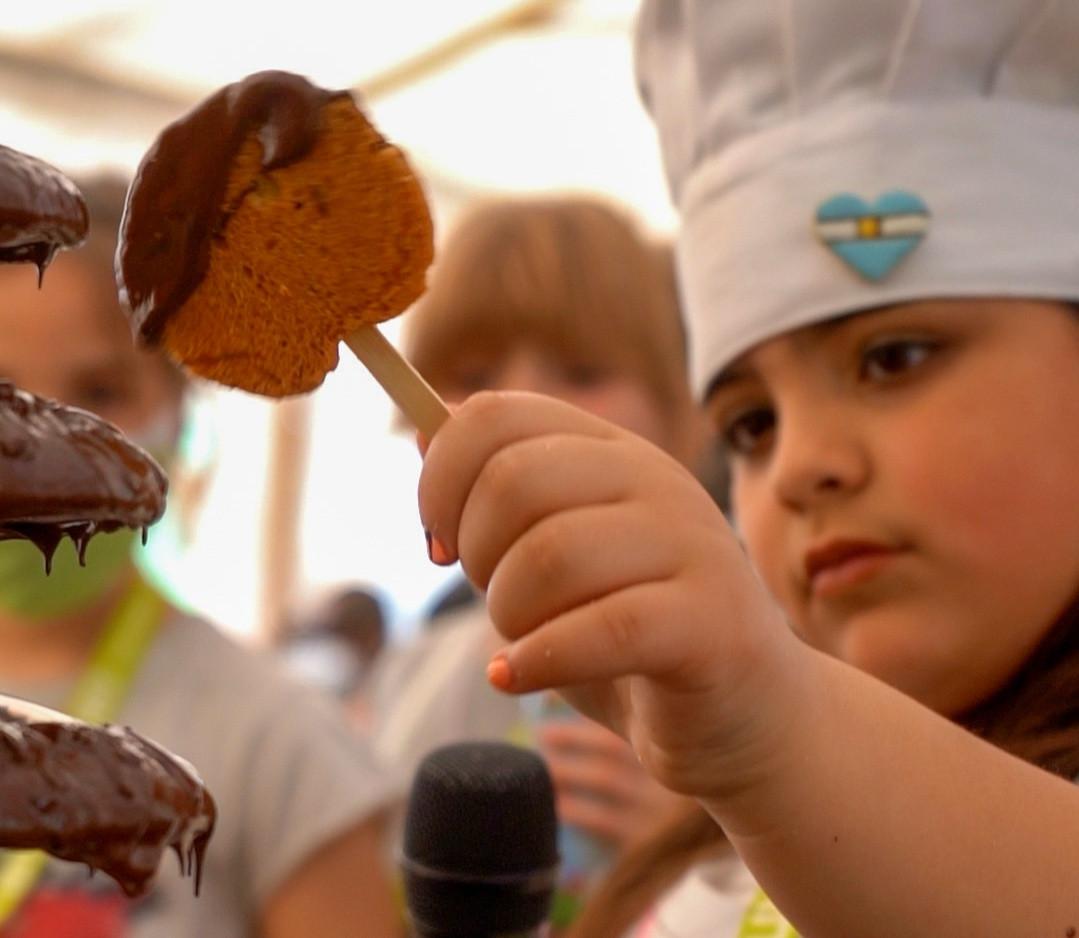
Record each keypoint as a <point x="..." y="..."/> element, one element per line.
<point x="773" y="753"/>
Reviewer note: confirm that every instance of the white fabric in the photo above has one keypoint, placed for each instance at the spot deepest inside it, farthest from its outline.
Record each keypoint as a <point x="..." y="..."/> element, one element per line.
<point x="709" y="901"/>
<point x="286" y="771"/>
<point x="767" y="109"/>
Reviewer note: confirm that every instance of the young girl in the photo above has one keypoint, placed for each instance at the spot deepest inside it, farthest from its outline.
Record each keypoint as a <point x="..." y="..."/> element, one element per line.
<point x="879" y="704"/>
<point x="566" y="296"/>
<point x="296" y="850"/>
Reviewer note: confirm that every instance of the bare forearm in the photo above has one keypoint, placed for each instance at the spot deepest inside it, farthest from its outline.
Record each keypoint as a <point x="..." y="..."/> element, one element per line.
<point x="888" y="820"/>
<point x="342" y="891"/>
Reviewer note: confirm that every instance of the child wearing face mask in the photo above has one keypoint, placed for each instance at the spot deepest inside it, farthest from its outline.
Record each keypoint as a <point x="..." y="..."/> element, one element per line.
<point x="870" y="681"/>
<point x="297" y="847"/>
<point x="569" y="297"/>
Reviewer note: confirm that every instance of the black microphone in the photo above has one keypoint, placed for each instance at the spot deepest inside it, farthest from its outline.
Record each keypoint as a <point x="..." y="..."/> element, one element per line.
<point x="480" y="854"/>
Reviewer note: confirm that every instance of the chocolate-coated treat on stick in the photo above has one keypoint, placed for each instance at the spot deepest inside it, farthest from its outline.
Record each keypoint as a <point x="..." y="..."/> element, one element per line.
<point x="41" y="210"/>
<point x="265" y="227"/>
<point x="103" y="796"/>
<point x="67" y="471"/>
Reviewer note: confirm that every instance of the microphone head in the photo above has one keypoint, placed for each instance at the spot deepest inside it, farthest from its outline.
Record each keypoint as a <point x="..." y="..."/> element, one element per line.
<point x="480" y="853"/>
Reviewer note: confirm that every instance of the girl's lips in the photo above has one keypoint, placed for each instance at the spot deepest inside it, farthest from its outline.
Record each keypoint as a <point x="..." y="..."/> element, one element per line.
<point x="838" y="565"/>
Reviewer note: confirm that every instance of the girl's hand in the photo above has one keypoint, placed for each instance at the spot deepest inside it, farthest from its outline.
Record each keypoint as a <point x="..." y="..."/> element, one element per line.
<point x="617" y="580"/>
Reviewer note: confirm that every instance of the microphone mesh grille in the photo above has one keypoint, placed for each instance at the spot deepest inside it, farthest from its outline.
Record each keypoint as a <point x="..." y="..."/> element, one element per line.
<point x="482" y="809"/>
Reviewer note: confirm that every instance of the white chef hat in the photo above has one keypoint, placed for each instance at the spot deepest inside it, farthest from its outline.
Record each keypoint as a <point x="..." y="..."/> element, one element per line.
<point x="829" y="156"/>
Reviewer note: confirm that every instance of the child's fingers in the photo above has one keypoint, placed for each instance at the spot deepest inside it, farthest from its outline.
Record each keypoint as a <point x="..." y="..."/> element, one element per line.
<point x="483" y="425"/>
<point x="604" y="640"/>
<point x="594" y="776"/>
<point x="606" y="821"/>
<point x="599" y="782"/>
<point x="423" y="441"/>
<point x="582" y="735"/>
<point x="530" y="480"/>
<point x="575" y="558"/>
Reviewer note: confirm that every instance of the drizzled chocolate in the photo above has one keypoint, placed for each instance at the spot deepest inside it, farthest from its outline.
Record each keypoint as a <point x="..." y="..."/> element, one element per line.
<point x="103" y="796"/>
<point x="41" y="211"/>
<point x="66" y="471"/>
<point x="172" y="215"/>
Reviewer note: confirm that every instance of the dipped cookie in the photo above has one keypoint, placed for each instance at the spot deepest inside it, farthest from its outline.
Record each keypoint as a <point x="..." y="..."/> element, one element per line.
<point x="103" y="796"/>
<point x="264" y="227"/>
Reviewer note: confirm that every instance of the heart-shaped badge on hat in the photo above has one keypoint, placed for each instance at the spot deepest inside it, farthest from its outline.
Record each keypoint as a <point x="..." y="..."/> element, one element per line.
<point x="872" y="238"/>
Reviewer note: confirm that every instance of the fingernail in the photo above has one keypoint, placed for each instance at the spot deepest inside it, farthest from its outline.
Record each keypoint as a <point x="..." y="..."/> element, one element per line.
<point x="436" y="551"/>
<point x="499" y="673"/>
<point x="422" y="442"/>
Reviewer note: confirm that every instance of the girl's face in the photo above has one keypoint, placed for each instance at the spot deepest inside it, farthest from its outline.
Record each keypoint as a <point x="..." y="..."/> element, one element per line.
<point x="599" y="388"/>
<point x="68" y="341"/>
<point x="905" y="480"/>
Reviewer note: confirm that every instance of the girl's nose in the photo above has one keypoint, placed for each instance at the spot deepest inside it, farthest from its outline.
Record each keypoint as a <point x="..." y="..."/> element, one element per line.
<point x="522" y="370"/>
<point x="819" y="456"/>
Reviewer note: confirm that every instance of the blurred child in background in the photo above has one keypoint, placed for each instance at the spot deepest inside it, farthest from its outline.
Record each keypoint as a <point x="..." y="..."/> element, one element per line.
<point x="337" y="645"/>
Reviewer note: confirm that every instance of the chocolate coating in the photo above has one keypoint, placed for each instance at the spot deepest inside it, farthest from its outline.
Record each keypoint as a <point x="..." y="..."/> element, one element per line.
<point x="175" y="203"/>
<point x="41" y="211"/>
<point x="103" y="796"/>
<point x="67" y="471"/>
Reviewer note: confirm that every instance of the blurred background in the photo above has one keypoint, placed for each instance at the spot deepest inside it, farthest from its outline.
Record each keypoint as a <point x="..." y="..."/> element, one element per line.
<point x="487" y="97"/>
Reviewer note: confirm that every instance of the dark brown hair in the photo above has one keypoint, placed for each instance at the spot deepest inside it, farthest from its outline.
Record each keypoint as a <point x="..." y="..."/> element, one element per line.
<point x="1035" y="716"/>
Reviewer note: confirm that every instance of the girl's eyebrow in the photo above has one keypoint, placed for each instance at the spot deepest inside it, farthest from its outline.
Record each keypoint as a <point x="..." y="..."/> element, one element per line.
<point x="733" y="374"/>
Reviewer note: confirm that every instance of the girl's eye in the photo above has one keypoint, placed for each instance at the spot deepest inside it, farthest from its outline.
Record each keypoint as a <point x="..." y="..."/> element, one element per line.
<point x="583" y="374"/>
<point x="472" y="378"/>
<point x="101" y="396"/>
<point x="892" y="358"/>
<point x="748" y="431"/>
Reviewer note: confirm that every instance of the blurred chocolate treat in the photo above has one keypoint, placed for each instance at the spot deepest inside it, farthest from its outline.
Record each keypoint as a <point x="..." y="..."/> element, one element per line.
<point x="103" y="796"/>
<point x="65" y="471"/>
<point x="41" y="210"/>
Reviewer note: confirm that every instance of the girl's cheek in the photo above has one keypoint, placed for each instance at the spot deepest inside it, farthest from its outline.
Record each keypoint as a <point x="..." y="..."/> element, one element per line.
<point x="762" y="528"/>
<point x="760" y="532"/>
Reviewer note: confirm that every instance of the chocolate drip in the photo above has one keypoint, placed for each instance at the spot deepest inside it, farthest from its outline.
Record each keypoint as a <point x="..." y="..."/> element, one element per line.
<point x="64" y="471"/>
<point x="175" y="205"/>
<point x="103" y="796"/>
<point x="41" y="211"/>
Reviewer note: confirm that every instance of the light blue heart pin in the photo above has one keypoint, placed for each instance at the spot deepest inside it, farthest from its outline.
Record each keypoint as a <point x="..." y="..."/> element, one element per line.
<point x="873" y="239"/>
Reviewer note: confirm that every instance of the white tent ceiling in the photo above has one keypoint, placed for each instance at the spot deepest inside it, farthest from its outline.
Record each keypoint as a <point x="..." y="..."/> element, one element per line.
<point x="485" y="95"/>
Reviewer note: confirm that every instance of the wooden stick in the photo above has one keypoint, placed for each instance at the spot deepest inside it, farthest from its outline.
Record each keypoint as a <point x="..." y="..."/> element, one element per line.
<point x="286" y="470"/>
<point x="405" y="386"/>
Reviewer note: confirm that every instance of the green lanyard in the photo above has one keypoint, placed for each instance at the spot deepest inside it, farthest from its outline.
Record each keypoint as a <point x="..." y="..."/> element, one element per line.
<point x="96" y="698"/>
<point x="763" y="920"/>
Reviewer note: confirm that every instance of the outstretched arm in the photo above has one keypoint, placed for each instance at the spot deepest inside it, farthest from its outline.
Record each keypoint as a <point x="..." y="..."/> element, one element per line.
<point x="615" y="578"/>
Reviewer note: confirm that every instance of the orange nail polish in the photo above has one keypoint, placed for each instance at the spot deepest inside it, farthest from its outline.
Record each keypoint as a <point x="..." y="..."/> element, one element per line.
<point x="499" y="673"/>
<point x="436" y="551"/>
